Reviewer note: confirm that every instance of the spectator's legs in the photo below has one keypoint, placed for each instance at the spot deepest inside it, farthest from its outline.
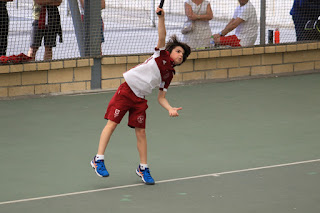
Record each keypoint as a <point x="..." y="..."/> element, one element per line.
<point x="32" y="52"/>
<point x="3" y="40"/>
<point x="50" y="37"/>
<point x="47" y="53"/>
<point x="301" y="33"/>
<point x="102" y="35"/>
<point x="36" y="39"/>
<point x="4" y="26"/>
<point x="315" y="34"/>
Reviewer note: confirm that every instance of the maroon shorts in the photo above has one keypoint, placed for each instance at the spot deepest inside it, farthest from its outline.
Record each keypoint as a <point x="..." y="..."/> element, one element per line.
<point x="232" y="41"/>
<point x="125" y="100"/>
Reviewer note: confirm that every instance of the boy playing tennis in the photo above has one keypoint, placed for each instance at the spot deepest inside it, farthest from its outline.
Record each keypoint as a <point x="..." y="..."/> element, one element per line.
<point x="158" y="70"/>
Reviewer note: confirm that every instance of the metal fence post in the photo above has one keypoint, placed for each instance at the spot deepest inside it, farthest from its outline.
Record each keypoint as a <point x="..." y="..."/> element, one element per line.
<point x="96" y="73"/>
<point x="78" y="25"/>
<point x="92" y="31"/>
<point x="152" y="14"/>
<point x="263" y="22"/>
<point x="92" y="27"/>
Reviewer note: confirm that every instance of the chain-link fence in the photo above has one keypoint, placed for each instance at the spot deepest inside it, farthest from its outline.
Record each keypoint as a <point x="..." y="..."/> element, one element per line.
<point x="129" y="26"/>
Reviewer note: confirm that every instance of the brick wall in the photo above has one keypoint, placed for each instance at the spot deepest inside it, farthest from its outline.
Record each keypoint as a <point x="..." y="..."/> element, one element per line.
<point x="45" y="78"/>
<point x="69" y="76"/>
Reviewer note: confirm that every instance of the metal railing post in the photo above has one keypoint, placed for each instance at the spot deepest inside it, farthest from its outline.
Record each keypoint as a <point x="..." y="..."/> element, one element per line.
<point x="152" y="13"/>
<point x="263" y="22"/>
<point x="78" y="25"/>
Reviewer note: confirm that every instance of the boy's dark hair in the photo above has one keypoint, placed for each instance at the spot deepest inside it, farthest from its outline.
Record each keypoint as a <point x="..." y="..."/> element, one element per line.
<point x="174" y="42"/>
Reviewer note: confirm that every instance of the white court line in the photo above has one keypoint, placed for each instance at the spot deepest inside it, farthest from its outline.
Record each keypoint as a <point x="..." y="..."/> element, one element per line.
<point x="161" y="181"/>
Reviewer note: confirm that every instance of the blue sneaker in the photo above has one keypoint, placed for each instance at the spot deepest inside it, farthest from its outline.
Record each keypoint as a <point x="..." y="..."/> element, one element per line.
<point x="99" y="167"/>
<point x="145" y="175"/>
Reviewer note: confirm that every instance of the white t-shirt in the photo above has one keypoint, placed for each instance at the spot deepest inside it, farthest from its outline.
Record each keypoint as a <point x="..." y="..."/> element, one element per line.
<point x="156" y="71"/>
<point x="247" y="31"/>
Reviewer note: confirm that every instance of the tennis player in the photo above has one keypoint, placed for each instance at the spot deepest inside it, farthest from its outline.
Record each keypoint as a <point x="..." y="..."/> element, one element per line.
<point x="156" y="71"/>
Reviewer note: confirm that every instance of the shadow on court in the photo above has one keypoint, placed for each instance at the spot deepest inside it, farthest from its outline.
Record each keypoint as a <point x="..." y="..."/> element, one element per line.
<point x="241" y="146"/>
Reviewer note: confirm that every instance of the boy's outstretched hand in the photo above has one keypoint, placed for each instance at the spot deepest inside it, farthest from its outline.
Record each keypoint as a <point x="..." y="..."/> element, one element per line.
<point x="173" y="112"/>
<point x="158" y="10"/>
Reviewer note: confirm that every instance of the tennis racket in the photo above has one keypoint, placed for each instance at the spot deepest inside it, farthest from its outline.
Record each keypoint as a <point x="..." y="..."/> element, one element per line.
<point x="160" y="6"/>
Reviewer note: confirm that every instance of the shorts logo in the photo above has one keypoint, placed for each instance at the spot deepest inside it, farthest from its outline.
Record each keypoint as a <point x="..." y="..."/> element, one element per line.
<point x="140" y="119"/>
<point x="116" y="113"/>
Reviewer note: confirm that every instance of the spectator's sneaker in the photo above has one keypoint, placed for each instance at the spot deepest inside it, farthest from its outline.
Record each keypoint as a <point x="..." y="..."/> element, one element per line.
<point x="145" y="175"/>
<point x="99" y="167"/>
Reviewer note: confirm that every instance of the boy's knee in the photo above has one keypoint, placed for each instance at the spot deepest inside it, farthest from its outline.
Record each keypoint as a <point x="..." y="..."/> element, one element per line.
<point x="140" y="132"/>
<point x="111" y="125"/>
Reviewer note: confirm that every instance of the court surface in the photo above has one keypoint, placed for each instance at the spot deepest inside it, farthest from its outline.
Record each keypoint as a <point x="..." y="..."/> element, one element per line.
<point x="240" y="146"/>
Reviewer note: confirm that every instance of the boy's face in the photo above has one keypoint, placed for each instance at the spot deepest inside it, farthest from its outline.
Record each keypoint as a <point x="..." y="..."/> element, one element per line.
<point x="177" y="55"/>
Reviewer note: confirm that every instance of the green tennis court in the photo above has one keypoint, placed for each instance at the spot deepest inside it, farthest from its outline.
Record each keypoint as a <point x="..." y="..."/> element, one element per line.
<point x="239" y="146"/>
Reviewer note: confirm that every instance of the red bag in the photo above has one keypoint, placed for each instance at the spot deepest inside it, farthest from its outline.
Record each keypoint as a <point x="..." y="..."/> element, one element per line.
<point x="14" y="59"/>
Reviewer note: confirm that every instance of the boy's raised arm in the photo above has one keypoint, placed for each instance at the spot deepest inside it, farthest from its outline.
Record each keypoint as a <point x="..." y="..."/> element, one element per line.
<point x="161" y="29"/>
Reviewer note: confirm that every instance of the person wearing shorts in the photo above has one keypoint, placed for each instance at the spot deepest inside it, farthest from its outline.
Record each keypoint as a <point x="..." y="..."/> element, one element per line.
<point x="156" y="71"/>
<point x="244" y="22"/>
<point x="46" y="26"/>
<point x="4" y="25"/>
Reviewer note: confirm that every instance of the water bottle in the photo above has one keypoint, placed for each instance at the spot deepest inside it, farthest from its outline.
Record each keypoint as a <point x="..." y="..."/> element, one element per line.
<point x="277" y="36"/>
<point x="270" y="36"/>
<point x="211" y="42"/>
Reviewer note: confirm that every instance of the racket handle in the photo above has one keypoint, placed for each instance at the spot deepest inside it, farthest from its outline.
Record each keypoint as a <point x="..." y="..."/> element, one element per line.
<point x="160" y="6"/>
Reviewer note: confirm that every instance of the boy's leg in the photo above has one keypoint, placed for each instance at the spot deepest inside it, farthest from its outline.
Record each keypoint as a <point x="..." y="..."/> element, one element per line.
<point x="117" y="108"/>
<point x="143" y="170"/>
<point x="137" y="119"/>
<point x="105" y="136"/>
<point x="142" y="144"/>
<point x="98" y="161"/>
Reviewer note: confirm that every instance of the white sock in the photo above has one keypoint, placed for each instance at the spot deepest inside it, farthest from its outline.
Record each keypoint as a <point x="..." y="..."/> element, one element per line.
<point x="99" y="157"/>
<point x="143" y="166"/>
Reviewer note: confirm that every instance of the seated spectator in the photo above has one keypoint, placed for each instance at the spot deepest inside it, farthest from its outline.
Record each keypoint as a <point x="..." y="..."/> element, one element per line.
<point x="246" y="24"/>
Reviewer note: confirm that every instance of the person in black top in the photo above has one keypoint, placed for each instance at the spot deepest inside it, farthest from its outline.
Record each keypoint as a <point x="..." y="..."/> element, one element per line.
<point x="305" y="13"/>
<point x="4" y="27"/>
